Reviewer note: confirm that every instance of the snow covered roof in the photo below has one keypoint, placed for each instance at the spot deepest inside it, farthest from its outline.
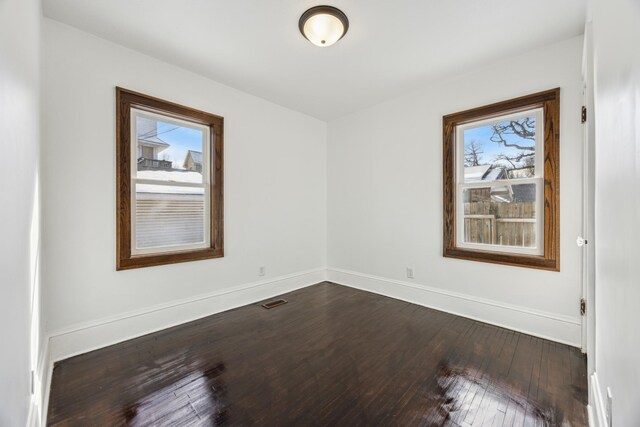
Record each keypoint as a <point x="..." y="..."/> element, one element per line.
<point x="475" y="173"/>
<point x="196" y="156"/>
<point x="179" y="176"/>
<point x="493" y="174"/>
<point x="483" y="173"/>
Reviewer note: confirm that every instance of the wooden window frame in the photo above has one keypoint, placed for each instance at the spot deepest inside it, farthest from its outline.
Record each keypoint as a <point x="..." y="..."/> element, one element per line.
<point x="549" y="101"/>
<point x="125" y="101"/>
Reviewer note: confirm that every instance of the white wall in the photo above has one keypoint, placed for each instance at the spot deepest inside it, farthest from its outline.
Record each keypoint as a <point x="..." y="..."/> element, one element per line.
<point x="616" y="31"/>
<point x="385" y="200"/>
<point x="275" y="193"/>
<point x="19" y="144"/>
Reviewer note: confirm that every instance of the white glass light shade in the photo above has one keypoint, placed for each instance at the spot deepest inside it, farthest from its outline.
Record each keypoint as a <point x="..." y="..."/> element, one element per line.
<point x="323" y="25"/>
<point x="323" y="30"/>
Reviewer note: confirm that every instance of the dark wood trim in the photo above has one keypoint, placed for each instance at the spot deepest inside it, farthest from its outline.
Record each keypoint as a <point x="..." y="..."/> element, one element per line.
<point x="125" y="100"/>
<point x="548" y="100"/>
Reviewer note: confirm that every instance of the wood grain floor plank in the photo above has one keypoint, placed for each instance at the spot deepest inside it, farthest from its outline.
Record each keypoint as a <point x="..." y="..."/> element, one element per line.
<point x="332" y="355"/>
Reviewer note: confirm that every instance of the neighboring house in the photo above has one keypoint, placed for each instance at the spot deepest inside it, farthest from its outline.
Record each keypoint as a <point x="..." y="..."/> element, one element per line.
<point x="505" y="193"/>
<point x="150" y="146"/>
<point x="193" y="161"/>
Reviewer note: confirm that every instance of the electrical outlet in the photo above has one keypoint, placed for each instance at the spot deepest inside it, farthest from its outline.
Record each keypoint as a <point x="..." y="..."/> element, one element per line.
<point x="262" y="271"/>
<point x="409" y="273"/>
<point x="609" y="407"/>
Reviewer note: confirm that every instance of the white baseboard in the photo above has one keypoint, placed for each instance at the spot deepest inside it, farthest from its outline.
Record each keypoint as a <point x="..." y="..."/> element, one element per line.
<point x="89" y="336"/>
<point x="563" y="329"/>
<point x="101" y="333"/>
<point x="45" y="386"/>
<point x="596" y="408"/>
<point x="41" y="382"/>
<point x="34" y="416"/>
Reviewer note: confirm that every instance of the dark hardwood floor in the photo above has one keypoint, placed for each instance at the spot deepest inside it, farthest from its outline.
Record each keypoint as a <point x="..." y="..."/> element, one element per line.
<point x="331" y="356"/>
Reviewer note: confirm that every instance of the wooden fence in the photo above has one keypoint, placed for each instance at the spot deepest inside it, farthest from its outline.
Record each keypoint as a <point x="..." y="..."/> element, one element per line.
<point x="511" y="224"/>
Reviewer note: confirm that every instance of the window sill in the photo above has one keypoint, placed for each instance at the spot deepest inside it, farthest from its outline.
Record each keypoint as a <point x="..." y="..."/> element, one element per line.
<point x="140" y="261"/>
<point x="517" y="260"/>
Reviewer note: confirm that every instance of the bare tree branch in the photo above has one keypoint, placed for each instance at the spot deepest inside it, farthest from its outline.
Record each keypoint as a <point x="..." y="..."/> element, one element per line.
<point x="523" y="128"/>
<point x="472" y="154"/>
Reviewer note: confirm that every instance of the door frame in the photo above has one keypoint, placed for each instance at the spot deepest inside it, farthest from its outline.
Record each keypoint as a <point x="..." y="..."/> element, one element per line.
<point x="588" y="200"/>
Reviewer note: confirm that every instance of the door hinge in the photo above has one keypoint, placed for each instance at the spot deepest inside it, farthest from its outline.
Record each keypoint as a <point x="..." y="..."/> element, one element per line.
<point x="584" y="114"/>
<point x="583" y="306"/>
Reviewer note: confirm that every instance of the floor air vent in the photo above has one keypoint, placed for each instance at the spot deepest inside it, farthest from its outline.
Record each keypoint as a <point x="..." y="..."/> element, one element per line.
<point x="274" y="303"/>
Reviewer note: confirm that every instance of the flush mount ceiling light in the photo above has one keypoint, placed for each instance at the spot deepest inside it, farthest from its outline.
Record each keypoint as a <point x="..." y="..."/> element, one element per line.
<point x="323" y="25"/>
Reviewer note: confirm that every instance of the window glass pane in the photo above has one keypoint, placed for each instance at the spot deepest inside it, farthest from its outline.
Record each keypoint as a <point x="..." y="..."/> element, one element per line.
<point x="500" y="215"/>
<point x="169" y="215"/>
<point x="167" y="151"/>
<point x="504" y="150"/>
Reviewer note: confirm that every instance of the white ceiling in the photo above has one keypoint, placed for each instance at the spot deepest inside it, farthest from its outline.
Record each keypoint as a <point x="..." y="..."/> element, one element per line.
<point x="392" y="45"/>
